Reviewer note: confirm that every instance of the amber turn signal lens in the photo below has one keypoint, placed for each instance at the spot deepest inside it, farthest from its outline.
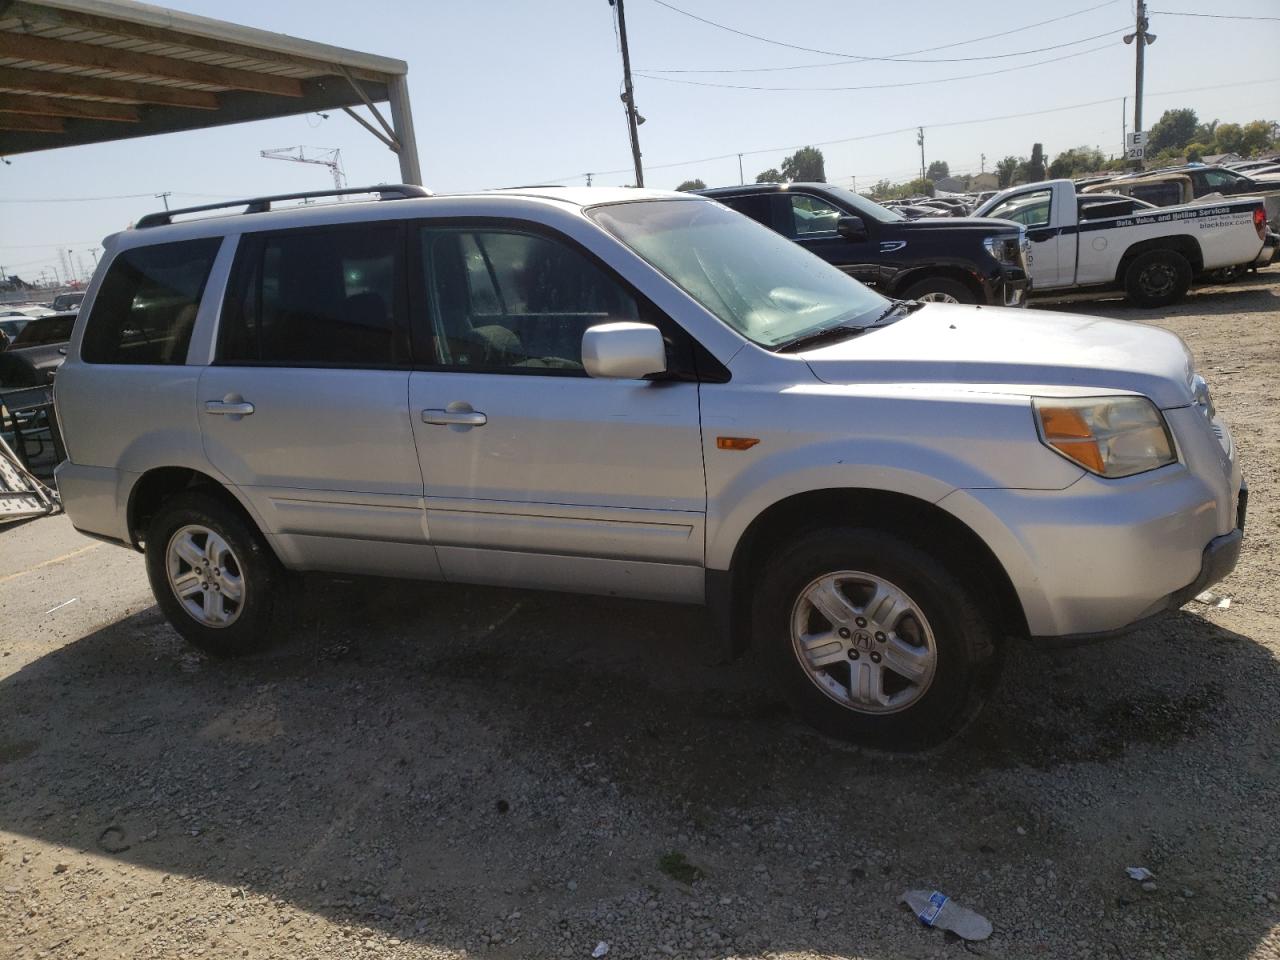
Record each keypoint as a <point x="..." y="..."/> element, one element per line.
<point x="736" y="443"/>
<point x="1066" y="430"/>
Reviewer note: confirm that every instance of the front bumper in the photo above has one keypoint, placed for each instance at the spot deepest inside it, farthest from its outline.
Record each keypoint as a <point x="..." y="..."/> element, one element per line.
<point x="1010" y="288"/>
<point x="1101" y="555"/>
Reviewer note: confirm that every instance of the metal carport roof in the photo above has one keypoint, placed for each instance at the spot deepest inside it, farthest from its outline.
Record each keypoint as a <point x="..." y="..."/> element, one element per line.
<point x="88" y="71"/>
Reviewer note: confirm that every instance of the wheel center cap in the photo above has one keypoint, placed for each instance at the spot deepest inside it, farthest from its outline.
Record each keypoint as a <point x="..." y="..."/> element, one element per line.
<point x="862" y="640"/>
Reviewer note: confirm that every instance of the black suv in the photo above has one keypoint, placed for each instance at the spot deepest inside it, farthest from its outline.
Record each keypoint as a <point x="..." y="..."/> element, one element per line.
<point x="949" y="259"/>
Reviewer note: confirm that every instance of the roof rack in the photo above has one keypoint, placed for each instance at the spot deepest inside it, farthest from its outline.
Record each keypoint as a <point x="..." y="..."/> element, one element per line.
<point x="386" y="191"/>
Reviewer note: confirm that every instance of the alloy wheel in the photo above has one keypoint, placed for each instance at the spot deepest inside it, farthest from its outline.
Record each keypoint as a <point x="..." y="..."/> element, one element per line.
<point x="863" y="642"/>
<point x="205" y="576"/>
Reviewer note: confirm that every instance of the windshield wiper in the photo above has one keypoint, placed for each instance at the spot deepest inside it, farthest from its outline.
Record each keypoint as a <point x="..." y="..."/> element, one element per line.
<point x="906" y="306"/>
<point x="842" y="332"/>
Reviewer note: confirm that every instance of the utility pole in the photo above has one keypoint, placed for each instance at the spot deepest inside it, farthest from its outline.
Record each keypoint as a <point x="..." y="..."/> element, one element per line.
<point x="165" y="197"/>
<point x="741" y="178"/>
<point x="588" y="179"/>
<point x="920" y="140"/>
<point x="1141" y="39"/>
<point x="628" y="97"/>
<point x="1124" y="121"/>
<point x="983" y="167"/>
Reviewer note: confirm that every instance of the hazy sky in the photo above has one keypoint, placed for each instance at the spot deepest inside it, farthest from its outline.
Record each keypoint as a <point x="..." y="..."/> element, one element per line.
<point x="510" y="92"/>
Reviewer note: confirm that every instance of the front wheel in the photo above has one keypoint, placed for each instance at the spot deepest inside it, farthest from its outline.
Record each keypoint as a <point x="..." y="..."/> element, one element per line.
<point x="1157" y="278"/>
<point x="212" y="574"/>
<point x="874" y="640"/>
<point x="939" y="290"/>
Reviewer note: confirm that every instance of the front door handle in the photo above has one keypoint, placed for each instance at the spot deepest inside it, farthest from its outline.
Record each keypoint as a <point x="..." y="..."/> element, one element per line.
<point x="454" y="417"/>
<point x="226" y="408"/>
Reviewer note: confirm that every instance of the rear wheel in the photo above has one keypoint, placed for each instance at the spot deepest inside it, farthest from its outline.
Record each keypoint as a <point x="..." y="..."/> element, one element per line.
<point x="212" y="574"/>
<point x="1157" y="278"/>
<point x="873" y="640"/>
<point x="939" y="290"/>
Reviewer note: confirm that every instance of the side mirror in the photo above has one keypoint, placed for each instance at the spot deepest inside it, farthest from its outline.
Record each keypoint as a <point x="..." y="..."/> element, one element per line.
<point x="851" y="228"/>
<point x="623" y="351"/>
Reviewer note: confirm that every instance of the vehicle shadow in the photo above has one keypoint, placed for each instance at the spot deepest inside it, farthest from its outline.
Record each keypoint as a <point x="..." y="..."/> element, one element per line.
<point x="500" y="770"/>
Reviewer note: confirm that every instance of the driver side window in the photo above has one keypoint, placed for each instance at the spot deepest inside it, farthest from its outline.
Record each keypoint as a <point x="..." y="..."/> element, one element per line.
<point x="504" y="300"/>
<point x="813" y="217"/>
<point x="1029" y="209"/>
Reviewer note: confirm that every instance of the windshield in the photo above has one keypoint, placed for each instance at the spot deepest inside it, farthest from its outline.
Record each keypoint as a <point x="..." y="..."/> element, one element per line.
<point x="865" y="206"/>
<point x="759" y="283"/>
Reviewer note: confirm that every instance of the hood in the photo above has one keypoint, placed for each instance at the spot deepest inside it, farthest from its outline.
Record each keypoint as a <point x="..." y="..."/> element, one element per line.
<point x="983" y="225"/>
<point x="1022" y="350"/>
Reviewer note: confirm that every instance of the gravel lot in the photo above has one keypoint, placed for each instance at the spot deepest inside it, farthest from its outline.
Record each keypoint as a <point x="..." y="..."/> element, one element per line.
<point x="426" y="772"/>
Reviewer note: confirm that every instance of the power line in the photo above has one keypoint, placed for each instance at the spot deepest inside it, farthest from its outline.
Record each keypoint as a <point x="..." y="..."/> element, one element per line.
<point x="847" y="62"/>
<point x="912" y="129"/>
<point x="876" y="86"/>
<point x="857" y="56"/>
<point x="1212" y="16"/>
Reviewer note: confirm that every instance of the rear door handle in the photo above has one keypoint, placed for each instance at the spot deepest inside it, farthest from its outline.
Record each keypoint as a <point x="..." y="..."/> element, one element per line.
<point x="456" y="418"/>
<point x="224" y="408"/>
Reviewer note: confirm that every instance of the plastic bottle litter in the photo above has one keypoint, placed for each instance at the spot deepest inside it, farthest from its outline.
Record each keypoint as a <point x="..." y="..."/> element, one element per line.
<point x="936" y="909"/>
<point x="1139" y="873"/>
<point x="601" y="949"/>
<point x="1211" y="599"/>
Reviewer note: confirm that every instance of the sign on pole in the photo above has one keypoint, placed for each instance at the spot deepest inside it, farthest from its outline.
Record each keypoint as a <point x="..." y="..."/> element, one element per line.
<point x="1136" y="145"/>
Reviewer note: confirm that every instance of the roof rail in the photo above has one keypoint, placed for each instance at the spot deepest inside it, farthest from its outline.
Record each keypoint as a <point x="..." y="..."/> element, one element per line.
<point x="386" y="191"/>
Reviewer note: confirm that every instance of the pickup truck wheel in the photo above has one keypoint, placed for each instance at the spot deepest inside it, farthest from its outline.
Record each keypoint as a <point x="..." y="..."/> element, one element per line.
<point x="1157" y="278"/>
<point x="939" y="290"/>
<point x="874" y="640"/>
<point x="212" y="574"/>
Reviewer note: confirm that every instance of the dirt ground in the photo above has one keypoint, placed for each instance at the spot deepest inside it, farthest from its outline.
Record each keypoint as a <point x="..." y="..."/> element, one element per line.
<point x="418" y="771"/>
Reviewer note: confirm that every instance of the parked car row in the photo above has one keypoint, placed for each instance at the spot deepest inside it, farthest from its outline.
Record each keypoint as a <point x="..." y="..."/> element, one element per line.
<point x="646" y="394"/>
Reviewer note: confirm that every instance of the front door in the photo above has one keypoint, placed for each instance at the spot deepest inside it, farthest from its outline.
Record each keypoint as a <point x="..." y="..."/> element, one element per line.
<point x="535" y="473"/>
<point x="1052" y="251"/>
<point x="812" y="223"/>
<point x="305" y="408"/>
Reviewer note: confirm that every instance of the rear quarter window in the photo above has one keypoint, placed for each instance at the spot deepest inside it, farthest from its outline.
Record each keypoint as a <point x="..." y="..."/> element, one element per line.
<point x="147" y="305"/>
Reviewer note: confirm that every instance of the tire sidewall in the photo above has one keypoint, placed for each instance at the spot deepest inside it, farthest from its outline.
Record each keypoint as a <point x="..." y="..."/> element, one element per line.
<point x="1143" y="262"/>
<point x="953" y="288"/>
<point x="965" y="648"/>
<point x="258" y="567"/>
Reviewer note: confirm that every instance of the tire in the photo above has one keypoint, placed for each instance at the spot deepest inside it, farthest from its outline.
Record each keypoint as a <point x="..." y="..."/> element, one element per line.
<point x="939" y="290"/>
<point x="193" y="529"/>
<point x="1157" y="278"/>
<point x="953" y="680"/>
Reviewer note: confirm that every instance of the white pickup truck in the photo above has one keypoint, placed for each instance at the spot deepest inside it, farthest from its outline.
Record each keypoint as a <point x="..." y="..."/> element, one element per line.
<point x="1079" y="243"/>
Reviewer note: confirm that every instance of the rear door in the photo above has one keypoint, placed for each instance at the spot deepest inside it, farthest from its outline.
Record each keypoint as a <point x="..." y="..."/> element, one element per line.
<point x="304" y="407"/>
<point x="535" y="473"/>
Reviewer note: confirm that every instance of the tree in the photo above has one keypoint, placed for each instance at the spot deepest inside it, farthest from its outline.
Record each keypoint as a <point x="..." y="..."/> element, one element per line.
<point x="1007" y="169"/>
<point x="1076" y="161"/>
<point x="694" y="184"/>
<point x="1034" y="168"/>
<point x="1255" y="137"/>
<point x="882" y="190"/>
<point x="1196" y="151"/>
<point x="805" y="164"/>
<point x="1229" y="137"/>
<point x="937" y="170"/>
<point x="772" y="175"/>
<point x="1174" y="130"/>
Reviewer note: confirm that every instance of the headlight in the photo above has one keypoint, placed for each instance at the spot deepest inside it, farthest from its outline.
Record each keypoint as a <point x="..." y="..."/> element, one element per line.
<point x="1109" y="436"/>
<point x="1005" y="249"/>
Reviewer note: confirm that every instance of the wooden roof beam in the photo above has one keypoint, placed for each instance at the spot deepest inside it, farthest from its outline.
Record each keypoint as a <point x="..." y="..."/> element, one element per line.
<point x="56" y="107"/>
<point x="21" y="121"/>
<point x="68" y="54"/>
<point x="37" y="13"/>
<point x="70" y="85"/>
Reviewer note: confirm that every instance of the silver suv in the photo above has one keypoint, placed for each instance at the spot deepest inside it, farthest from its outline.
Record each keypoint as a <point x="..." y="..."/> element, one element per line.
<point x="639" y="394"/>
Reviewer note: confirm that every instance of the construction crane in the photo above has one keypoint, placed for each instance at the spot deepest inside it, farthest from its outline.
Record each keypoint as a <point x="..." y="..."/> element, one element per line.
<point x="324" y="156"/>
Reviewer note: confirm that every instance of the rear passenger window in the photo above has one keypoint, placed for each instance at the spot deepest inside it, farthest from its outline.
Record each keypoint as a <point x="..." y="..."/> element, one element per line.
<point x="327" y="297"/>
<point x="146" y="308"/>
